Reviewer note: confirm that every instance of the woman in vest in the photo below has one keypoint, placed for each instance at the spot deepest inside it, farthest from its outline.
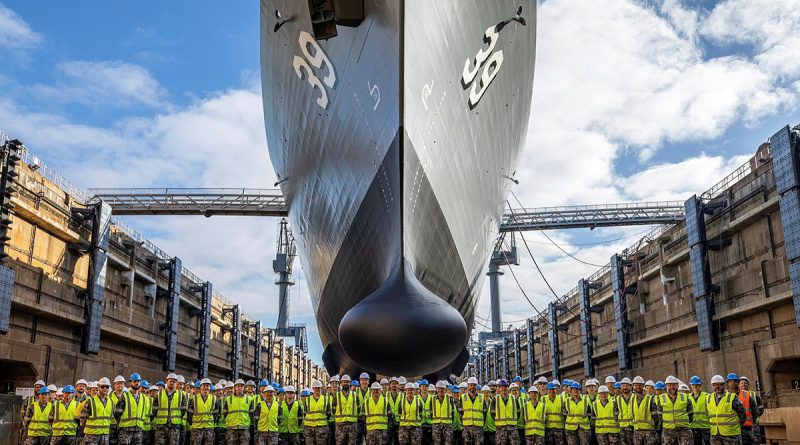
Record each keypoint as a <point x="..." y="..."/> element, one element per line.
<point x="62" y="419"/>
<point x="489" y="430"/>
<point x="534" y="416"/>
<point x="37" y="419"/>
<point x="290" y="429"/>
<point x="410" y="410"/>
<point x="377" y="412"/>
<point x="606" y="425"/>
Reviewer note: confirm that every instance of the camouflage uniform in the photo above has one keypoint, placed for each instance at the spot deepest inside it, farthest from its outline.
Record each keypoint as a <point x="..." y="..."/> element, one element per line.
<point x="473" y="435"/>
<point x="345" y="433"/>
<point x="748" y="438"/>
<point x="535" y="440"/>
<point x="167" y="435"/>
<point x="266" y="438"/>
<point x="643" y="437"/>
<point x="410" y="435"/>
<point x="607" y="439"/>
<point x="63" y="440"/>
<point x="442" y="433"/>
<point x="579" y="437"/>
<point x="37" y="440"/>
<point x="95" y="440"/>
<point x="554" y="436"/>
<point x="238" y="437"/>
<point x="202" y="436"/>
<point x="377" y="437"/>
<point x="626" y="435"/>
<point x="723" y="440"/>
<point x="677" y="436"/>
<point x="130" y="436"/>
<point x="507" y="435"/>
<point x="317" y="435"/>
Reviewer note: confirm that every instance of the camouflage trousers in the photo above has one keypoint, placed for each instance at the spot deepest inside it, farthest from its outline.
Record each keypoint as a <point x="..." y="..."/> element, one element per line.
<point x="644" y="437"/>
<point x="377" y="437"/>
<point x="113" y="434"/>
<point x="63" y="440"/>
<point x="677" y="436"/>
<point x="726" y="440"/>
<point x="129" y="436"/>
<point x="266" y="438"/>
<point x="201" y="436"/>
<point x="315" y="435"/>
<point x="167" y="435"/>
<point x="345" y="433"/>
<point x="442" y="434"/>
<point x="94" y="439"/>
<point x="748" y="436"/>
<point x="506" y="435"/>
<point x="607" y="439"/>
<point x="578" y="437"/>
<point x="626" y="435"/>
<point x="37" y="440"/>
<point x="291" y="439"/>
<point x="238" y="437"/>
<point x="409" y="435"/>
<point x="554" y="436"/>
<point x="534" y="440"/>
<point x="701" y="436"/>
<point x="473" y="435"/>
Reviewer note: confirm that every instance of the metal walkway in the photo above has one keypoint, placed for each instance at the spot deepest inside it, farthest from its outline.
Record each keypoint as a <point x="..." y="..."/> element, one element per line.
<point x="180" y="201"/>
<point x="603" y="215"/>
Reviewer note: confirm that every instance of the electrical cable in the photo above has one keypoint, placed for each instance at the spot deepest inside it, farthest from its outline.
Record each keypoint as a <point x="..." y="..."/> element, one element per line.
<point x="569" y="254"/>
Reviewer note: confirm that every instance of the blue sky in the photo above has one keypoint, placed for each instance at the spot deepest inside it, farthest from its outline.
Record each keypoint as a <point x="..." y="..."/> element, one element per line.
<point x="633" y="100"/>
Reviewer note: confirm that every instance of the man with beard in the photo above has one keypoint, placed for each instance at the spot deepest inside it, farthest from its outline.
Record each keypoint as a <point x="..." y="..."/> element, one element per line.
<point x="676" y="415"/>
<point x="129" y="411"/>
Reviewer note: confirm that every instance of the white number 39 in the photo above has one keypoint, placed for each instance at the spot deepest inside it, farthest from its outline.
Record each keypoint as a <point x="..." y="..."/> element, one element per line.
<point x="316" y="57"/>
<point x="490" y="62"/>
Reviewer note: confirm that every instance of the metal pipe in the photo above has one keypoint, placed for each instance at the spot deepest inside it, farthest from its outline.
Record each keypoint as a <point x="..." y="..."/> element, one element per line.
<point x="494" y="292"/>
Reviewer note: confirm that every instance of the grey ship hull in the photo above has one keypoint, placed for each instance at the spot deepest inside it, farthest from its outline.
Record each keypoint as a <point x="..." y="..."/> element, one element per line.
<point x="396" y="166"/>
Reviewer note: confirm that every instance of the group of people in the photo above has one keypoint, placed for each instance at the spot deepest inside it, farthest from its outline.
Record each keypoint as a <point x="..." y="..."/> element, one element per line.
<point x="393" y="411"/>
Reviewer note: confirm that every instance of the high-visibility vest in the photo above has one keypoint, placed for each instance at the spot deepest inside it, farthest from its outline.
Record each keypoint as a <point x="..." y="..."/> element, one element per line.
<point x="473" y="410"/>
<point x="147" y="411"/>
<point x="427" y="402"/>
<point x="606" y="422"/>
<point x="238" y="415"/>
<point x="268" y="418"/>
<point x="101" y="414"/>
<point x="114" y="401"/>
<point x="505" y="412"/>
<point x="555" y="415"/>
<point x="409" y="414"/>
<point x="625" y="418"/>
<point x="700" y="411"/>
<point x="488" y="424"/>
<point x="377" y="413"/>
<point x="132" y="415"/>
<point x="746" y="398"/>
<point x="290" y="423"/>
<point x="203" y="415"/>
<point x="722" y="419"/>
<point x="315" y="411"/>
<point x="534" y="417"/>
<point x="522" y="399"/>
<point x="169" y="409"/>
<point x="221" y="418"/>
<point x="442" y="410"/>
<point x="674" y="414"/>
<point x="577" y="414"/>
<point x="329" y="398"/>
<point x="346" y="407"/>
<point x="394" y="401"/>
<point x="642" y="417"/>
<point x="39" y="425"/>
<point x="64" y="423"/>
<point x="457" y="425"/>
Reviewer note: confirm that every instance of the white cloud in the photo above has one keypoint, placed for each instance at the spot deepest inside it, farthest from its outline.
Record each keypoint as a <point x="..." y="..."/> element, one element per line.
<point x="15" y="33"/>
<point x="106" y="83"/>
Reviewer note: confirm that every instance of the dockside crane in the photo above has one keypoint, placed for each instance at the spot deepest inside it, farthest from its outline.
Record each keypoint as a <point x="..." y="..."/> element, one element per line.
<point x="282" y="265"/>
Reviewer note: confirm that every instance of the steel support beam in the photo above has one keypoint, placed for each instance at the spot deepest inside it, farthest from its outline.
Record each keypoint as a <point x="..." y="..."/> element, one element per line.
<point x="173" y="294"/>
<point x="591" y="216"/>
<point x="257" y="355"/>
<point x="620" y="310"/>
<point x="206" y="294"/>
<point x="785" y="145"/>
<point x="98" y="252"/>
<point x="531" y="351"/>
<point x="555" y="350"/>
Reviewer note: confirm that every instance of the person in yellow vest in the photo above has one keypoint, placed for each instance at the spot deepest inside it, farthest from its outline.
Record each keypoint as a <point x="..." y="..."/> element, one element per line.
<point x="410" y="413"/>
<point x="606" y="422"/>
<point x="753" y="408"/>
<point x="427" y="398"/>
<point x="535" y="415"/>
<point x="377" y="412"/>
<point x="97" y="415"/>
<point x="147" y="412"/>
<point x="394" y="396"/>
<point x="268" y="416"/>
<point x="472" y="409"/>
<point x="556" y="415"/>
<point x="237" y="411"/>
<point x="577" y="428"/>
<point x="202" y="415"/>
<point x="646" y="416"/>
<point x="345" y="413"/>
<point x="443" y="412"/>
<point x="62" y="418"/>
<point x="37" y="419"/>
<point x="129" y="412"/>
<point x="725" y="414"/>
<point x="333" y="389"/>
<point x="168" y="413"/>
<point x="505" y="411"/>
<point x="676" y="415"/>
<point x="317" y="410"/>
<point x="515" y="390"/>
<point x="623" y="403"/>
<point x="291" y="427"/>
<point x="363" y="393"/>
<point x="699" y="424"/>
<point x="29" y="402"/>
<point x="116" y="396"/>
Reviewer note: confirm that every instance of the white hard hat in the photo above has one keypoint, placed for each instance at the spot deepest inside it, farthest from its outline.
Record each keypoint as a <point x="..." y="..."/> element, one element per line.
<point x="119" y="378"/>
<point x="638" y="380"/>
<point x="40" y="383"/>
<point x="269" y="388"/>
<point x="172" y="376"/>
<point x="472" y="381"/>
<point x="683" y="387"/>
<point x="59" y="391"/>
<point x="205" y="382"/>
<point x="316" y="384"/>
<point x="289" y="388"/>
<point x="345" y="378"/>
<point x="744" y="378"/>
<point x="431" y="388"/>
<point x="512" y="386"/>
<point x="335" y="378"/>
<point x="91" y="385"/>
<point x="611" y="379"/>
<point x="375" y="385"/>
<point x="556" y="382"/>
<point x="228" y="384"/>
<point x="591" y="382"/>
<point x="416" y="385"/>
<point x="250" y="383"/>
<point x="533" y="389"/>
<point x="671" y="379"/>
<point x="181" y="379"/>
<point x="52" y="388"/>
<point x="221" y="383"/>
<point x="492" y="383"/>
<point x="392" y="379"/>
<point x="409" y="385"/>
<point x="486" y="388"/>
<point x="384" y="381"/>
<point x="401" y="380"/>
<point x="238" y="382"/>
<point x="363" y="375"/>
<point x="625" y="381"/>
<point x="441" y="384"/>
<point x="602" y="388"/>
<point x="649" y="383"/>
<point x="462" y="385"/>
<point x="81" y="382"/>
<point x="541" y="379"/>
<point x="103" y="381"/>
<point x="717" y="379"/>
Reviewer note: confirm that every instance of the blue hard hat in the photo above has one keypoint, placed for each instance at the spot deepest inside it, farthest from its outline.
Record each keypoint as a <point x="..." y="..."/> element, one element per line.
<point x="566" y="382"/>
<point x="517" y="379"/>
<point x="68" y="389"/>
<point x="575" y="385"/>
<point x="551" y="385"/>
<point x="423" y="382"/>
<point x="213" y="388"/>
<point x="44" y="390"/>
<point x="354" y="383"/>
<point x="660" y="385"/>
<point x="455" y="389"/>
<point x="695" y="380"/>
<point x="618" y="385"/>
<point x="160" y="383"/>
<point x="522" y="390"/>
<point x="502" y="382"/>
<point x="275" y="384"/>
<point x="732" y="376"/>
<point x="135" y="377"/>
<point x="197" y="384"/>
<point x="263" y="382"/>
<point x="144" y="384"/>
<point x="305" y="393"/>
<point x="281" y="390"/>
